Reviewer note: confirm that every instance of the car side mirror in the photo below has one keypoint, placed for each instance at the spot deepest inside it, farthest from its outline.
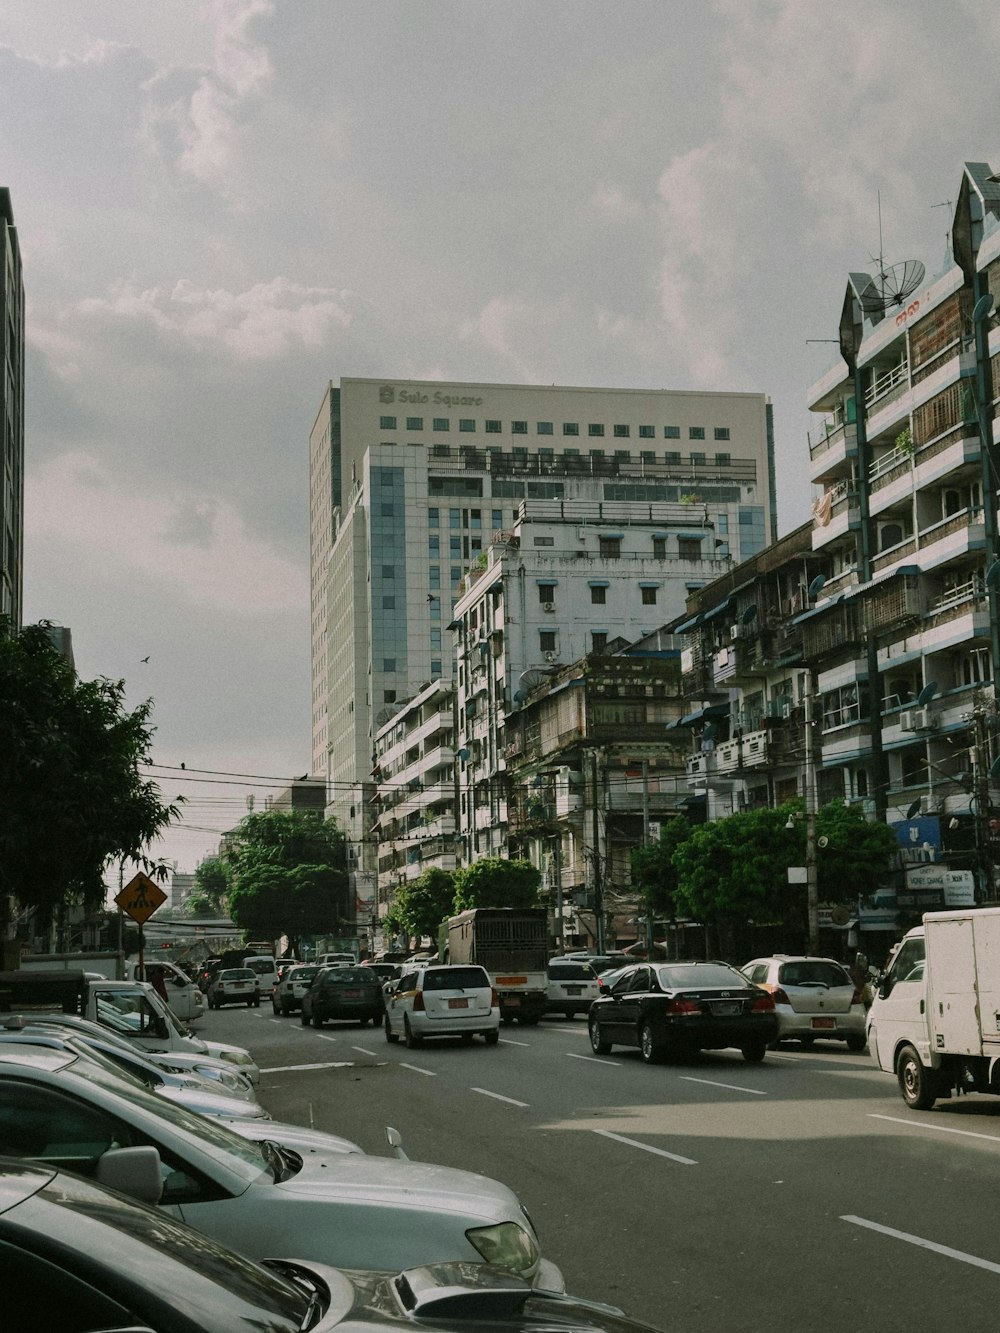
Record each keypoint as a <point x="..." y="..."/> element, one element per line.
<point x="133" y="1171"/>
<point x="395" y="1141"/>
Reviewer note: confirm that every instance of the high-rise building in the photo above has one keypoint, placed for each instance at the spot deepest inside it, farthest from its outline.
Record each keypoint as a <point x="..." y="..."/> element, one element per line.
<point x="410" y="480"/>
<point x="11" y="416"/>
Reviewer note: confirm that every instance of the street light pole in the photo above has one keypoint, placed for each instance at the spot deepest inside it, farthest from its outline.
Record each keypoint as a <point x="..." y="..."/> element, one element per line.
<point x="812" y="893"/>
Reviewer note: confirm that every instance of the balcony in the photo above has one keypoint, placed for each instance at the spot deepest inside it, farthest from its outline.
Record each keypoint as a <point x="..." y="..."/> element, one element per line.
<point x="831" y="454"/>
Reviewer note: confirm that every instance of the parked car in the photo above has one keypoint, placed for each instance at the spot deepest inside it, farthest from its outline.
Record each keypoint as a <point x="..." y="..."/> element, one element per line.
<point x="676" y="1009"/>
<point x="265" y="969"/>
<point x="340" y="1208"/>
<point x="572" y="985"/>
<point x="234" y="985"/>
<point x="293" y="983"/>
<point x="813" y="998"/>
<point x="607" y="978"/>
<point x="343" y="992"/>
<point x="68" y="1246"/>
<point x="443" y="1001"/>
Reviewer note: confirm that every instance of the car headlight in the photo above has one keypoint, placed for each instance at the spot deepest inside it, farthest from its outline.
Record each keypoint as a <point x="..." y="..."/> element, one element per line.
<point x="507" y="1245"/>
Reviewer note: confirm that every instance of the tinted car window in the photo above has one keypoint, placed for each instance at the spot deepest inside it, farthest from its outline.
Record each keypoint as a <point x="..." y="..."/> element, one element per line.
<point x="571" y="972"/>
<point x="455" y="978"/>
<point x="349" y="976"/>
<point x="812" y="972"/>
<point x="236" y="974"/>
<point x="680" y="976"/>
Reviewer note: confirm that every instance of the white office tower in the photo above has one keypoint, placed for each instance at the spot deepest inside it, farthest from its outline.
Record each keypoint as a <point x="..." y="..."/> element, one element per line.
<point x="409" y="480"/>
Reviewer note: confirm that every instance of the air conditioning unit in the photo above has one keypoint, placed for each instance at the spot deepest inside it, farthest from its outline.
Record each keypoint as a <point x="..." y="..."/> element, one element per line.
<point x="734" y="631"/>
<point x="925" y="719"/>
<point x="908" y="720"/>
<point x="549" y="607"/>
<point x="550" y="657"/>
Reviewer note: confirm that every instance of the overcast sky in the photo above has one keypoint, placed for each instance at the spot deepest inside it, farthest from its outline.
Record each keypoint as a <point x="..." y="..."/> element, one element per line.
<point x="224" y="205"/>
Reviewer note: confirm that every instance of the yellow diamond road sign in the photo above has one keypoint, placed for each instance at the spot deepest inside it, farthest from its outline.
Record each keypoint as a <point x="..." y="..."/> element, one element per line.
<point x="140" y="898"/>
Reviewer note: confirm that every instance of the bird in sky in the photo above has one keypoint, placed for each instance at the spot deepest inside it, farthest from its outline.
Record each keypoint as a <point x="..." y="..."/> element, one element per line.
<point x="144" y="659"/>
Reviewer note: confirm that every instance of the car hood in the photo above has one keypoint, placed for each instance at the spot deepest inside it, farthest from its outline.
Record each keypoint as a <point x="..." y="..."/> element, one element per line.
<point x="387" y="1181"/>
<point x="306" y="1142"/>
<point x="215" y="1104"/>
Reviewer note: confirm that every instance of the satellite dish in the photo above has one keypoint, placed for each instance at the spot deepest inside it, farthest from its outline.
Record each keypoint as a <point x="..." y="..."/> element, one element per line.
<point x="927" y="693"/>
<point x="749" y="615"/>
<point x="982" y="307"/>
<point x="892" y="286"/>
<point x="914" y="809"/>
<point x="823" y="841"/>
<point x="816" y="586"/>
<point x="532" y="678"/>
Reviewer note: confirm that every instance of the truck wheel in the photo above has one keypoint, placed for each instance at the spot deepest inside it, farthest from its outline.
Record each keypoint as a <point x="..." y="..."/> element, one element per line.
<point x="916" y="1084"/>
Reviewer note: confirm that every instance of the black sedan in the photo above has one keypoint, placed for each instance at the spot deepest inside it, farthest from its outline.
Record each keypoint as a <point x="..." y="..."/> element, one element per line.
<point x="343" y="992"/>
<point x="675" y="1009"/>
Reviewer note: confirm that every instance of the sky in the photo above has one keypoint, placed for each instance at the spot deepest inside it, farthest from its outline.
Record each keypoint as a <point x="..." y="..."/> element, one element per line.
<point x="223" y="205"/>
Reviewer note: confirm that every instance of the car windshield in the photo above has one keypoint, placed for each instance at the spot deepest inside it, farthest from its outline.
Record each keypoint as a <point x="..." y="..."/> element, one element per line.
<point x="571" y="972"/>
<point x="349" y="976"/>
<point x="236" y="974"/>
<point x="300" y="974"/>
<point x="813" y="972"/>
<point x="455" y="978"/>
<point x="690" y="976"/>
<point x="258" y="965"/>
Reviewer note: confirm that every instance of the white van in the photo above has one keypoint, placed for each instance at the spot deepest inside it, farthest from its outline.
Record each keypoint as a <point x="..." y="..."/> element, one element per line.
<point x="266" y="970"/>
<point x="338" y="960"/>
<point x="184" y="997"/>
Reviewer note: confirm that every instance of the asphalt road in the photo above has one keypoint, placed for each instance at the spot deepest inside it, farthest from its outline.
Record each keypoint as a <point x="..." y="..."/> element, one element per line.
<point x="795" y="1196"/>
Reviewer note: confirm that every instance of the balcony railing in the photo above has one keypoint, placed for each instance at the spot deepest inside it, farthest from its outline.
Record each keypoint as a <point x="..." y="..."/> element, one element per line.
<point x="885" y="382"/>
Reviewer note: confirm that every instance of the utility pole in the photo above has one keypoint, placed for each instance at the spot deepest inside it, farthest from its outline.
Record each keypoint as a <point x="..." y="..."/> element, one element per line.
<point x="645" y="842"/>
<point x="557" y="871"/>
<point x="812" y="893"/>
<point x="598" y="884"/>
<point x="981" y="796"/>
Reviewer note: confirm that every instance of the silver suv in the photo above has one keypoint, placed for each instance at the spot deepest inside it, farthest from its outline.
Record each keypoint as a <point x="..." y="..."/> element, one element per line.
<point x="813" y="998"/>
<point x="292" y="985"/>
<point x="443" y="1001"/>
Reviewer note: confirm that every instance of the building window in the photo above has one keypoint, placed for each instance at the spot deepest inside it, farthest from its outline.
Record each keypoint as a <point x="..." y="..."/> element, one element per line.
<point x="434" y="546"/>
<point x="723" y="460"/>
<point x="414" y="423"/>
<point x="476" y="520"/>
<point x="454" y="518"/>
<point x="648" y="596"/>
<point x="434" y="576"/>
<point x="456" y="573"/>
<point x="455" y="547"/>
<point x="440" y="451"/>
<point x="696" y="432"/>
<point x="433" y="518"/>
<point x="544" y="427"/>
<point x="647" y="456"/>
<point x="671" y="432"/>
<point x="544" y="541"/>
<point x="671" y="458"/>
<point x="442" y="423"/>
<point x="689" y="548"/>
<point x="466" y="424"/>
<point x="647" y="433"/>
<point x="547" y="640"/>
<point x="436" y="640"/>
<point x="623" y="455"/>
<point x="610" y="548"/>
<point x="598" y="641"/>
<point x="518" y="428"/>
<point x="571" y="453"/>
<point x="388" y="571"/>
<point x="598" y="596"/>
<point x="493" y="428"/>
<point x="389" y="696"/>
<point x="571" y="428"/>
<point x="721" y="432"/>
<point x="659" y="548"/>
<point x="596" y="453"/>
<point x="388" y="603"/>
<point x="496" y="517"/>
<point x="622" y="432"/>
<point x="435" y="666"/>
<point x="387" y="423"/>
<point x="546" y="594"/>
<point x="697" y="460"/>
<point x="388" y="664"/>
<point x="595" y="428"/>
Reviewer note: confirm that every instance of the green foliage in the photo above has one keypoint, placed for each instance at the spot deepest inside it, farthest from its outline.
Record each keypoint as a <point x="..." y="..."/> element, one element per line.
<point x="288" y="875"/>
<point x="420" y="906"/>
<point x="904" y="441"/>
<point x="654" y="876"/>
<point x="211" y="888"/>
<point x="71" y="793"/>
<point x="496" y="882"/>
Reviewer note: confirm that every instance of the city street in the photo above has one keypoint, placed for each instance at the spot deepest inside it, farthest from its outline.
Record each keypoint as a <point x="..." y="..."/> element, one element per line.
<point x="800" y="1194"/>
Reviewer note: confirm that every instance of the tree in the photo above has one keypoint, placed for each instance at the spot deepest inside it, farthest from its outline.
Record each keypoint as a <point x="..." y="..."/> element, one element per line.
<point x="654" y="875"/>
<point x="496" y="882"/>
<point x="423" y="904"/>
<point x="211" y="888"/>
<point x="288" y="875"/>
<point x="71" y="793"/>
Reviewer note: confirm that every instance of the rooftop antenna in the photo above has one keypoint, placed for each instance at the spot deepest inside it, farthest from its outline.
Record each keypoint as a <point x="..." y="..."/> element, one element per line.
<point x="947" y="203"/>
<point x="894" y="284"/>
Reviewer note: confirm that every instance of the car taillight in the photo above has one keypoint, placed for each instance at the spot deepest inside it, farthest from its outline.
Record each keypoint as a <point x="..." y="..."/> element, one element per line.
<point x="682" y="1006"/>
<point x="494" y="998"/>
<point x="418" y="1002"/>
<point x="764" y="1003"/>
<point x="778" y="996"/>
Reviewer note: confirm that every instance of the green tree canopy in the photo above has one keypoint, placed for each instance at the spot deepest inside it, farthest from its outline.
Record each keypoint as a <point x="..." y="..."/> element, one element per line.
<point x="211" y="888"/>
<point x="422" y="905"/>
<point x="496" y="882"/>
<point x="288" y="875"/>
<point x="71" y="792"/>
<point x="654" y="875"/>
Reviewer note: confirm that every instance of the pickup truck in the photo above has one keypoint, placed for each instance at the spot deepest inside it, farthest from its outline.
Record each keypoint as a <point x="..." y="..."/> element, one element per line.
<point x="186" y="1000"/>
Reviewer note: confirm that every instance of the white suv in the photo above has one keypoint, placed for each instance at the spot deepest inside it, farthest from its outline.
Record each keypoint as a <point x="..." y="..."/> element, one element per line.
<point x="446" y="1001"/>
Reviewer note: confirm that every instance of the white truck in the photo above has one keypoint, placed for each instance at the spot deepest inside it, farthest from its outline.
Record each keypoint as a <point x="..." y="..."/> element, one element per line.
<point x="935" y="1019"/>
<point x="185" y="998"/>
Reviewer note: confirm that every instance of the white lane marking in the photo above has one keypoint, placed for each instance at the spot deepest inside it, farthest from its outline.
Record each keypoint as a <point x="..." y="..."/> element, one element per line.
<point x="364" y="1051"/>
<point x="592" y="1058"/>
<point x="941" y="1129"/>
<point x="733" y="1087"/>
<point x="498" y="1097"/>
<point x="946" y="1250"/>
<point x="506" y="1041"/>
<point x="417" y="1070"/>
<point x="646" y="1147"/>
<point x="285" y="1069"/>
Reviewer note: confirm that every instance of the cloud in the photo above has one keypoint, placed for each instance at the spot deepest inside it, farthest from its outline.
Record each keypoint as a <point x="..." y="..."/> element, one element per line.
<point x="196" y="546"/>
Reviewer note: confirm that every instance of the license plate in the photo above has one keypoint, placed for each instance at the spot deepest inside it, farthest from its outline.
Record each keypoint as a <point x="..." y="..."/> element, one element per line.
<point x="512" y="981"/>
<point x="463" y="1003"/>
<point x="825" y="1023"/>
<point x="352" y="994"/>
<point x="726" y="1010"/>
<point x="574" y="990"/>
<point x="513" y="1000"/>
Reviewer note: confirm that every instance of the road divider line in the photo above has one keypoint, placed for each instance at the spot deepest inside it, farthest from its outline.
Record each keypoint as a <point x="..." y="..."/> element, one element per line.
<point x="646" y="1147"/>
<point x="417" y="1070"/>
<point x="940" y="1129"/>
<point x="485" y="1092"/>
<point x="363" y="1051"/>
<point x="506" y="1041"/>
<point x="294" y="1069"/>
<point x="592" y="1058"/>
<point x="733" y="1087"/>
<point x="923" y="1244"/>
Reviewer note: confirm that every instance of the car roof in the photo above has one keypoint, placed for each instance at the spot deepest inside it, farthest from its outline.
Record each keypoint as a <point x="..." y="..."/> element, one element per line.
<point x="38" y="1057"/>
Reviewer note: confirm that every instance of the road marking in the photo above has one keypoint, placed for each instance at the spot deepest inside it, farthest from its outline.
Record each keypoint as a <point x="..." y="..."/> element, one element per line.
<point x="506" y="1041"/>
<point x="646" y="1147"/>
<point x="290" y="1069"/>
<point x="362" y="1051"/>
<point x="946" y="1250"/>
<point x="941" y="1129"/>
<point x="592" y="1058"/>
<point x="498" y="1097"/>
<point x="733" y="1087"/>
<point x="417" y="1070"/>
